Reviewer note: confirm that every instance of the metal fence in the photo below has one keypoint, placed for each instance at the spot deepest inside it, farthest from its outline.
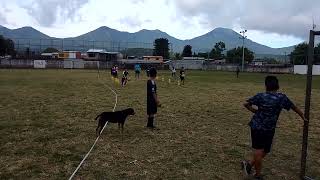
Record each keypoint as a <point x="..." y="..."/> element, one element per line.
<point x="81" y="64"/>
<point x="71" y="64"/>
<point x="36" y="46"/>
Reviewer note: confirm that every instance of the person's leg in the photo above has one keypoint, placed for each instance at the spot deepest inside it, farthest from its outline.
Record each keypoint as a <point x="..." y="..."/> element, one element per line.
<point x="258" y="152"/>
<point x="122" y="82"/>
<point x="263" y="147"/>
<point x="150" y="120"/>
<point x="256" y="162"/>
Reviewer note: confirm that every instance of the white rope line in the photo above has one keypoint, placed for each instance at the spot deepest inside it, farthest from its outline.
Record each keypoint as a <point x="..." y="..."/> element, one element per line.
<point x="95" y="142"/>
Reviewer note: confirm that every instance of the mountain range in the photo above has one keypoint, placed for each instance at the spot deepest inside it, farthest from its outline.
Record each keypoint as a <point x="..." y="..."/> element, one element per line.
<point x="144" y="39"/>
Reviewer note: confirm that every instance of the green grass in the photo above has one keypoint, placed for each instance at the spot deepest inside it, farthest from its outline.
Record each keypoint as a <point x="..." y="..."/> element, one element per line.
<point x="47" y="125"/>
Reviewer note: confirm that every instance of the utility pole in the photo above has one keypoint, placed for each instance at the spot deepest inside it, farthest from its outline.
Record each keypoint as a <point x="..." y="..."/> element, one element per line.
<point x="243" y="38"/>
<point x="285" y="56"/>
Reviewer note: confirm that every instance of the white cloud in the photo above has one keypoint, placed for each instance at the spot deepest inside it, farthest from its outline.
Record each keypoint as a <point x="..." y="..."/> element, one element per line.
<point x="285" y="17"/>
<point x="275" y="23"/>
<point x="48" y="12"/>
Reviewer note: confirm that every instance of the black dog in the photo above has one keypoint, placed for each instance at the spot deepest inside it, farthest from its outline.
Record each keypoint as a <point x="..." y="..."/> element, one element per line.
<point x="113" y="117"/>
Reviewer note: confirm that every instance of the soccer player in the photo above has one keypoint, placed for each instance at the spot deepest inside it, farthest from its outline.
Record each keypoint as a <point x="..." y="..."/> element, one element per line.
<point x="152" y="98"/>
<point x="137" y="69"/>
<point x="182" y="75"/>
<point x="263" y="123"/>
<point x="124" y="79"/>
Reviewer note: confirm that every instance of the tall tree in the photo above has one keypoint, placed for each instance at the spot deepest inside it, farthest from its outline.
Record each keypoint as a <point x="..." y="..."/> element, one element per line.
<point x="177" y="56"/>
<point x="299" y="55"/>
<point x="217" y="51"/>
<point x="187" y="51"/>
<point x="50" y="50"/>
<point x="161" y="48"/>
<point x="203" y="55"/>
<point x="6" y="47"/>
<point x="317" y="54"/>
<point x="235" y="55"/>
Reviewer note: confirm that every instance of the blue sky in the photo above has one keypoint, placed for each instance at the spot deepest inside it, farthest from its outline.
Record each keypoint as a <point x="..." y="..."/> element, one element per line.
<point x="275" y="23"/>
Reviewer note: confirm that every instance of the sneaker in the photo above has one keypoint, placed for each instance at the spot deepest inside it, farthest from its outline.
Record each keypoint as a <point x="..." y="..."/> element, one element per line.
<point x="153" y="128"/>
<point x="258" y="177"/>
<point x="156" y="128"/>
<point x="246" y="167"/>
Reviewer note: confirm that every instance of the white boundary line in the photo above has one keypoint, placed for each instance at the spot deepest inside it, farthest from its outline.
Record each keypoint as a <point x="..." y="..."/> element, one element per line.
<point x="95" y="142"/>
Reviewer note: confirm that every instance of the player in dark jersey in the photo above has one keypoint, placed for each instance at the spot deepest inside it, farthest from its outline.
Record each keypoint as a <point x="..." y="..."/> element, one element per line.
<point x="237" y="71"/>
<point x="152" y="98"/>
<point x="124" y="79"/>
<point x="182" y="75"/>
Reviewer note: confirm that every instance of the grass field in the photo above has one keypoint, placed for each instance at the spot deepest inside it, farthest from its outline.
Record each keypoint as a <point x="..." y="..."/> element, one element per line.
<point x="47" y="125"/>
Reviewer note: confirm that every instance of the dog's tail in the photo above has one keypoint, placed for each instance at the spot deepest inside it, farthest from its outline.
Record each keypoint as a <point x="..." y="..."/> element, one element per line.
<point x="97" y="117"/>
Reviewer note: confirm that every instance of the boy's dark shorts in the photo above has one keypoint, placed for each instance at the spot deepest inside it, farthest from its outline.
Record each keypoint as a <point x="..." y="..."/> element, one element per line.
<point x="137" y="72"/>
<point x="181" y="78"/>
<point x="152" y="108"/>
<point x="262" y="139"/>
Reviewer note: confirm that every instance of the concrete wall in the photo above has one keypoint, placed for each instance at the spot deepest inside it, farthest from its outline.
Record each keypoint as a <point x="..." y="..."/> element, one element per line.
<point x="39" y="64"/>
<point x="302" y="69"/>
<point x="4" y="63"/>
<point x="55" y="64"/>
<point x="188" y="64"/>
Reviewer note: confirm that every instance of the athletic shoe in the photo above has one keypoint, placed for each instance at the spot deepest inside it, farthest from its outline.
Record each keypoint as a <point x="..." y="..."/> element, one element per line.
<point x="153" y="128"/>
<point x="258" y="177"/>
<point x="246" y="167"/>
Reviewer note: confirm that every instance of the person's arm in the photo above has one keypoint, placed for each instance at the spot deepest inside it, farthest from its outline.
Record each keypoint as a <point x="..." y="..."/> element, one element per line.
<point x="299" y="112"/>
<point x="155" y="97"/>
<point x="249" y="107"/>
<point x="154" y="94"/>
<point x="288" y="104"/>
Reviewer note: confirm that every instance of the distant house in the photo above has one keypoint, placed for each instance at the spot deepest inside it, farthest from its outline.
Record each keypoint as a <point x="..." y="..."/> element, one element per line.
<point x="193" y="58"/>
<point x="102" y="55"/>
<point x="70" y="55"/>
<point x="221" y="61"/>
<point x="54" y="55"/>
<point x="132" y="57"/>
<point x="153" y="58"/>
<point x="258" y="62"/>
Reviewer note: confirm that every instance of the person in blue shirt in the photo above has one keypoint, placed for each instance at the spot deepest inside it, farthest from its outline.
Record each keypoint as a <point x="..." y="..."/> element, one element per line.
<point x="266" y="107"/>
<point x="137" y="69"/>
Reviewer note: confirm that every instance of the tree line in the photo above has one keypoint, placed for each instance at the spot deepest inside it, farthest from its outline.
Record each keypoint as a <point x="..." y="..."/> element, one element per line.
<point x="6" y="47"/>
<point x="218" y="52"/>
<point x="299" y="55"/>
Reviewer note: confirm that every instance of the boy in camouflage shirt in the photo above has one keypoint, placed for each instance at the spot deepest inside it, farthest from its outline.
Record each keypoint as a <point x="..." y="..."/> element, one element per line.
<point x="263" y="123"/>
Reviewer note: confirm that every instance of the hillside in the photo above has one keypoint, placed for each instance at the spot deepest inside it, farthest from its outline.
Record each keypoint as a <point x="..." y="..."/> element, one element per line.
<point x="115" y="40"/>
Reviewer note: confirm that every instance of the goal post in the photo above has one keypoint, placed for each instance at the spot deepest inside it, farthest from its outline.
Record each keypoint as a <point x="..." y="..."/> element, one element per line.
<point x="304" y="151"/>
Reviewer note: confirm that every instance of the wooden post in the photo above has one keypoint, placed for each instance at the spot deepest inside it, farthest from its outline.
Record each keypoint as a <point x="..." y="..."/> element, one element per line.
<point x="304" y="151"/>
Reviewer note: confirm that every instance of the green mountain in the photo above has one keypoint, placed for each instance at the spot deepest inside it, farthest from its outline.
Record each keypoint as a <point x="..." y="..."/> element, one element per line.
<point x="114" y="40"/>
